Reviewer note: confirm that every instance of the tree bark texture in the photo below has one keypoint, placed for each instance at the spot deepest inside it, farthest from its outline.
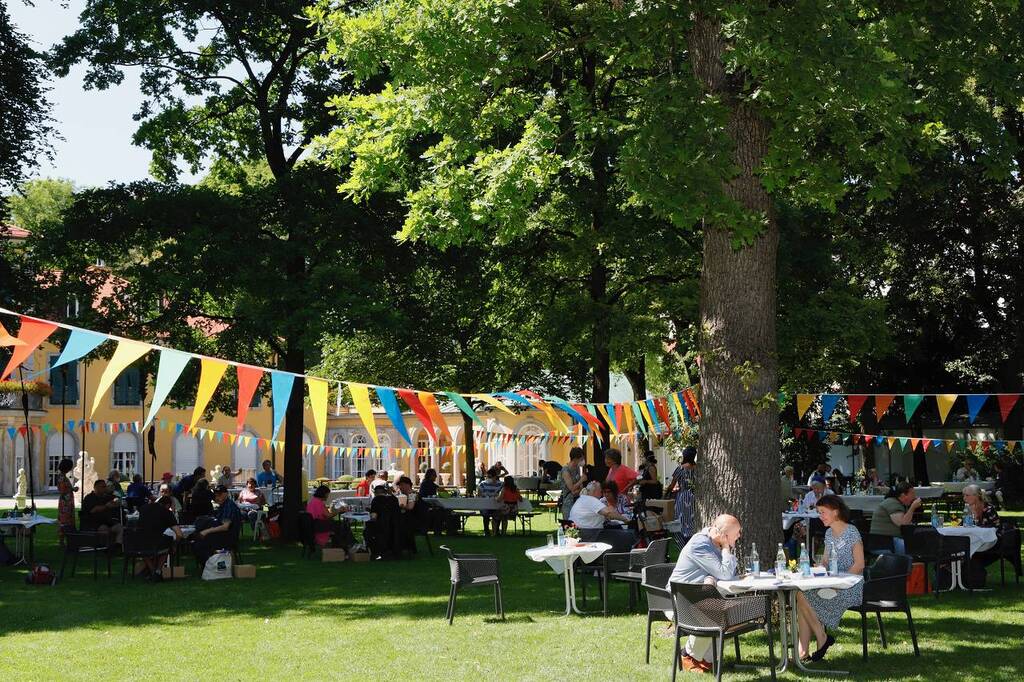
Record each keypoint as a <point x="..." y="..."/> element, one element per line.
<point x="470" y="463"/>
<point x="637" y="377"/>
<point x="295" y="361"/>
<point x="738" y="463"/>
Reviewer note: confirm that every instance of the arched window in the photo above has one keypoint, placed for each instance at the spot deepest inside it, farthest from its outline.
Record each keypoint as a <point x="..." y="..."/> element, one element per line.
<point x="124" y="454"/>
<point x="360" y="441"/>
<point x="529" y="454"/>
<point x="384" y="457"/>
<point x="58" y="446"/>
<point x="185" y="453"/>
<point x="245" y="454"/>
<point x="337" y="461"/>
<point x="422" y="450"/>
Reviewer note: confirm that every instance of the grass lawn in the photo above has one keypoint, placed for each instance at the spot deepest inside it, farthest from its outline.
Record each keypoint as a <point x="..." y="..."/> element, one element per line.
<point x="303" y="619"/>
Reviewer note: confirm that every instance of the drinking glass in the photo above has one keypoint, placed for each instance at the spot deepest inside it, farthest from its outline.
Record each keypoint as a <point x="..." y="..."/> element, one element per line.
<point x="551" y="540"/>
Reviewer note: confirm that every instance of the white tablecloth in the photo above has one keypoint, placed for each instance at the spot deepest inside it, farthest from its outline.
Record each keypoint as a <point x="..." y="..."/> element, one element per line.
<point x="353" y="502"/>
<point x="768" y="582"/>
<point x="789" y="518"/>
<point x="360" y="517"/>
<point x="185" y="531"/>
<point x="473" y="503"/>
<point x="929" y="492"/>
<point x="957" y="487"/>
<point x="28" y="521"/>
<point x="981" y="538"/>
<point x="555" y="495"/>
<point x="558" y="556"/>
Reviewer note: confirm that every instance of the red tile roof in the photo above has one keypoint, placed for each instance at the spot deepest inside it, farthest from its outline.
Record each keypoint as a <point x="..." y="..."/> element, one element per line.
<point x="8" y="231"/>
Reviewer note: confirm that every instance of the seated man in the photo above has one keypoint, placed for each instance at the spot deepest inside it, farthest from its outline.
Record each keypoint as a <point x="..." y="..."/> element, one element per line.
<point x="167" y="494"/>
<point x="186" y="483"/>
<point x="381" y="532"/>
<point x="706" y="558"/>
<point x="381" y="480"/>
<point x="967" y="472"/>
<point x="268" y="477"/>
<point x="818" y="474"/>
<point x="894" y="512"/>
<point x="413" y="513"/>
<point x="101" y="511"/>
<point x="591" y="514"/>
<point x="489" y="487"/>
<point x="154" y="519"/>
<point x="227" y="477"/>
<point x="818" y="490"/>
<point x="138" y="493"/>
<point x="223" y="534"/>
<point x="363" y="487"/>
<point x="551" y="470"/>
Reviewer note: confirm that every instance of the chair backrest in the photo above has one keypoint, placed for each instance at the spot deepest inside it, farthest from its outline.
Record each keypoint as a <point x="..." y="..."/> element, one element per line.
<point x="136" y="541"/>
<point x="306" y="534"/>
<point x="656" y="553"/>
<point x="685" y="597"/>
<point x="887" y="578"/>
<point x="620" y="541"/>
<point x="1009" y="547"/>
<point x="453" y="563"/>
<point x="877" y="543"/>
<point x="654" y="581"/>
<point x="921" y="540"/>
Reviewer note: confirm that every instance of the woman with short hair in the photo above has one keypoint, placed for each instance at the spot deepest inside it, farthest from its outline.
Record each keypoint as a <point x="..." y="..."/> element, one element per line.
<point x="572" y="480"/>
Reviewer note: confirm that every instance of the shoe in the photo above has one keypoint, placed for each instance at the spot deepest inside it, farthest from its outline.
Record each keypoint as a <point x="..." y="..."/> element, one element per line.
<point x="820" y="653"/>
<point x="691" y="664"/>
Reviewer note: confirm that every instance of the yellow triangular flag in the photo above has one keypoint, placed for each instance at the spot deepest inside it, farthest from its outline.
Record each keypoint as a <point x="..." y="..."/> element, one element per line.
<point x="209" y="376"/>
<point x="945" y="401"/>
<point x="647" y="415"/>
<point x="7" y="340"/>
<point x="607" y="419"/>
<point x="361" y="400"/>
<point x="125" y="354"/>
<point x="492" y="401"/>
<point x="318" y="390"/>
<point x="891" y="441"/>
<point x="803" y="403"/>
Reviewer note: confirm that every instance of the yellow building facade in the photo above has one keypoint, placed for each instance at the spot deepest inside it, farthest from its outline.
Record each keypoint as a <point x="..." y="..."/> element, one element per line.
<point x="121" y="446"/>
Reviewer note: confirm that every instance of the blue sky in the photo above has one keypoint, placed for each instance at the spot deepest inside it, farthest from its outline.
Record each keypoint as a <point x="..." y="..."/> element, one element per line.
<point x="97" y="126"/>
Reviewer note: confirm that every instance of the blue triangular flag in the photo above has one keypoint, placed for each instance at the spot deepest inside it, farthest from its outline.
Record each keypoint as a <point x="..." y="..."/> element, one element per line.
<point x="974" y="404"/>
<point x="828" y="406"/>
<point x="281" y="384"/>
<point x="394" y="412"/>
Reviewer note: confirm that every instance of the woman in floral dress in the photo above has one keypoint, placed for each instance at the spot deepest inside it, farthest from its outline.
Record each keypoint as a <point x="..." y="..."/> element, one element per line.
<point x="65" y="499"/>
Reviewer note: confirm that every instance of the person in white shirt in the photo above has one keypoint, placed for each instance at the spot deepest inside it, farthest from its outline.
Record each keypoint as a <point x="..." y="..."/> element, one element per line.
<point x="967" y="472"/>
<point x="818" y="474"/>
<point x="591" y="512"/>
<point x="818" y="490"/>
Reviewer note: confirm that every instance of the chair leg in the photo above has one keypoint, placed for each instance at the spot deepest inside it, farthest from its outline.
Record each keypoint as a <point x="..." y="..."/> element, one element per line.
<point x="1002" y="573"/>
<point x="771" y="638"/>
<point x="501" y="603"/>
<point x="647" y="655"/>
<point x="124" y="569"/>
<point x="451" y="603"/>
<point x="719" y="654"/>
<point x="63" y="563"/>
<point x="881" y="629"/>
<point x="913" y="631"/>
<point x="96" y="564"/>
<point x="604" y="593"/>
<point x="632" y="597"/>
<point x="74" y="563"/>
<point x="864" y="633"/>
<point x="736" y="645"/>
<point x="675" y="658"/>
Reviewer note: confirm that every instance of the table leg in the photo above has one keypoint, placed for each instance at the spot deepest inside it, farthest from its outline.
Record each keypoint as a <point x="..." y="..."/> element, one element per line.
<point x="795" y="633"/>
<point x="570" y="598"/>
<point x="784" y="656"/>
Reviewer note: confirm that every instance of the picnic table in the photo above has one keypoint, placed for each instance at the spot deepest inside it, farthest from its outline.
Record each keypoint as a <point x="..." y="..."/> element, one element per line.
<point x="957" y="487"/>
<point x="473" y="504"/>
<point x="787" y="586"/>
<point x="24" y="533"/>
<point x="562" y="557"/>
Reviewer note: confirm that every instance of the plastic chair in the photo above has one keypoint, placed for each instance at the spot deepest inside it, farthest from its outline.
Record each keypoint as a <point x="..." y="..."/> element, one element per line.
<point x="699" y="610"/>
<point x="473" y="570"/>
<point x="885" y="591"/>
<point x="654" y="582"/>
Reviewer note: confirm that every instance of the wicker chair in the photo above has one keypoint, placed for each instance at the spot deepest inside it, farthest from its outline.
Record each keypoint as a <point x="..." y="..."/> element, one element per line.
<point x="656" y="553"/>
<point x="473" y="570"/>
<point x="659" y="597"/>
<point x="137" y="546"/>
<point x="78" y="542"/>
<point x="615" y="559"/>
<point x="885" y="591"/>
<point x="700" y="610"/>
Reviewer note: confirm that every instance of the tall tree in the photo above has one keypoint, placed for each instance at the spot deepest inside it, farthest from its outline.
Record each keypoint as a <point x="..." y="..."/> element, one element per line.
<point x="702" y="114"/>
<point x="243" y="82"/>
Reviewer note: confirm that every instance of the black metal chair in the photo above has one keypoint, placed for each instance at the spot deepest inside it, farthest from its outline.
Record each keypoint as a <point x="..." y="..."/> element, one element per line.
<point x="700" y="610"/>
<point x="621" y="544"/>
<point x="137" y="547"/>
<point x="878" y="544"/>
<point x="1007" y="550"/>
<point x="659" y="598"/>
<point x="307" y="535"/>
<point x="885" y="591"/>
<point x="924" y="544"/>
<point x="78" y="542"/>
<point x="473" y="570"/>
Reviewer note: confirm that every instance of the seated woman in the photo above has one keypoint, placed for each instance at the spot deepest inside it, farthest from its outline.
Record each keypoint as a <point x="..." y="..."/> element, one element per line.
<point x="326" y="528"/>
<point x="251" y="495"/>
<point x="154" y="520"/>
<point x="620" y="503"/>
<point x="984" y="516"/>
<point x="509" y="497"/>
<point x="199" y="501"/>
<point x="428" y="488"/>
<point x="822" y="609"/>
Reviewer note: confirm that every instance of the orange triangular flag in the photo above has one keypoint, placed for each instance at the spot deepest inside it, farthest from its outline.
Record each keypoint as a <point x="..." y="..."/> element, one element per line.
<point x="32" y="333"/>
<point x="882" y="403"/>
<point x="7" y="340"/>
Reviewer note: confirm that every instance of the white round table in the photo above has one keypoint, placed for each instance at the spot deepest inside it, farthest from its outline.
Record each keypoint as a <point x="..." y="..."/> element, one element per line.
<point x="981" y="539"/>
<point x="562" y="557"/>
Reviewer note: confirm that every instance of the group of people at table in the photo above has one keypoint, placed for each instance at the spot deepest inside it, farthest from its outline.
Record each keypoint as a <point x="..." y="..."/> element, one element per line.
<point x="190" y="509"/>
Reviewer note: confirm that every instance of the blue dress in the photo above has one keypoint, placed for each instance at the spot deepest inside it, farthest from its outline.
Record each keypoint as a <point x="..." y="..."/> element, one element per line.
<point x="684" y="508"/>
<point x="830" y="611"/>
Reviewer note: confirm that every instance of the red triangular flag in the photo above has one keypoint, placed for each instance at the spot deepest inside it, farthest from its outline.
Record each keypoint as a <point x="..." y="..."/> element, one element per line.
<point x="1006" y="403"/>
<point x="32" y="333"/>
<point x="882" y="403"/>
<point x="855" y="402"/>
<point x="413" y="401"/>
<point x="248" y="381"/>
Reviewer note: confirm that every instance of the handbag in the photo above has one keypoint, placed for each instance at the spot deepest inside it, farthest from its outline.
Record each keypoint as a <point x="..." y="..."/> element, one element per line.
<point x="218" y="566"/>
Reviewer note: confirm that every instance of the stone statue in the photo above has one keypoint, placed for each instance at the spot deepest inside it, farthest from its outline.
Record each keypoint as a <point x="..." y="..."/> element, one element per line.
<point x="89" y="477"/>
<point x="19" y="497"/>
<point x="214" y="476"/>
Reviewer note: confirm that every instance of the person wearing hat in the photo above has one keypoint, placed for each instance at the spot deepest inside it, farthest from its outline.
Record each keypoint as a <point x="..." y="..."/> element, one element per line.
<point x="224" y="529"/>
<point x="682" y="487"/>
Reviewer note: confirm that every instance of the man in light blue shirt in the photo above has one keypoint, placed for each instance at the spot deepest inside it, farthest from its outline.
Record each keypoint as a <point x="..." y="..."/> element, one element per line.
<point x="707" y="558"/>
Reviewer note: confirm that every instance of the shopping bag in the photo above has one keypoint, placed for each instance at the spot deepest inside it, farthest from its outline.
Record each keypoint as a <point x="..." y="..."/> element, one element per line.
<point x="218" y="566"/>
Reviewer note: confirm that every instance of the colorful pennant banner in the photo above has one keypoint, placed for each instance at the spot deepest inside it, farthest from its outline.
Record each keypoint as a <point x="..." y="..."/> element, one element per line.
<point x="911" y="403"/>
<point x="841" y="437"/>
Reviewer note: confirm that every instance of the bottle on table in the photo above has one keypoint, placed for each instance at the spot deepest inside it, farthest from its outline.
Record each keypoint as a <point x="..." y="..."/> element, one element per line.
<point x="805" y="562"/>
<point x="780" y="562"/>
<point x="833" y="560"/>
<point x="968" y="517"/>
<point x="935" y="516"/>
<point x="561" y="537"/>
<point x="755" y="562"/>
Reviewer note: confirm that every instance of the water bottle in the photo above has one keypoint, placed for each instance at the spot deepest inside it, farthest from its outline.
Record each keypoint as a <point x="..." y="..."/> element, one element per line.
<point x="833" y="560"/>
<point x="755" y="562"/>
<point x="805" y="562"/>
<point x="935" y="516"/>
<point x="561" y="537"/>
<point x="968" y="517"/>
<point x="780" y="562"/>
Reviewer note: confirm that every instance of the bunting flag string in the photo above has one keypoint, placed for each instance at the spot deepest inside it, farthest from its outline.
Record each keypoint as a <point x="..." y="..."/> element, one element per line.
<point x="653" y="415"/>
<point x="962" y="444"/>
<point x="911" y="404"/>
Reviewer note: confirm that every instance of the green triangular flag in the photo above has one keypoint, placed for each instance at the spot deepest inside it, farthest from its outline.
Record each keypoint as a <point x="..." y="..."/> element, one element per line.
<point x="903" y="443"/>
<point x="910" y="404"/>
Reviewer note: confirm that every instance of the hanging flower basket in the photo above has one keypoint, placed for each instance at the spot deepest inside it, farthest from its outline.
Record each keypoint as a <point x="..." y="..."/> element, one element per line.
<point x="39" y="388"/>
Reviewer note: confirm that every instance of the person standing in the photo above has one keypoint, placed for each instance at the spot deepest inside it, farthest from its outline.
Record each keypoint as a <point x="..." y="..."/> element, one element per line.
<point x="65" y="498"/>
<point x="572" y="479"/>
<point x="683" y="487"/>
<point x="648" y="485"/>
<point x="268" y="477"/>
<point x="624" y="476"/>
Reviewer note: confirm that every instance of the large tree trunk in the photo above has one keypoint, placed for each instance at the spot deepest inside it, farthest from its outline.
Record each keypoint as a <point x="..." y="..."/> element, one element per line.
<point x="294" y="362"/>
<point x="739" y="452"/>
<point x="467" y="427"/>
<point x="637" y="377"/>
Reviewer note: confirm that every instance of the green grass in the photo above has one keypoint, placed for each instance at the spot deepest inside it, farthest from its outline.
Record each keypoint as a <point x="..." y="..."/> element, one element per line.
<point x="304" y="619"/>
